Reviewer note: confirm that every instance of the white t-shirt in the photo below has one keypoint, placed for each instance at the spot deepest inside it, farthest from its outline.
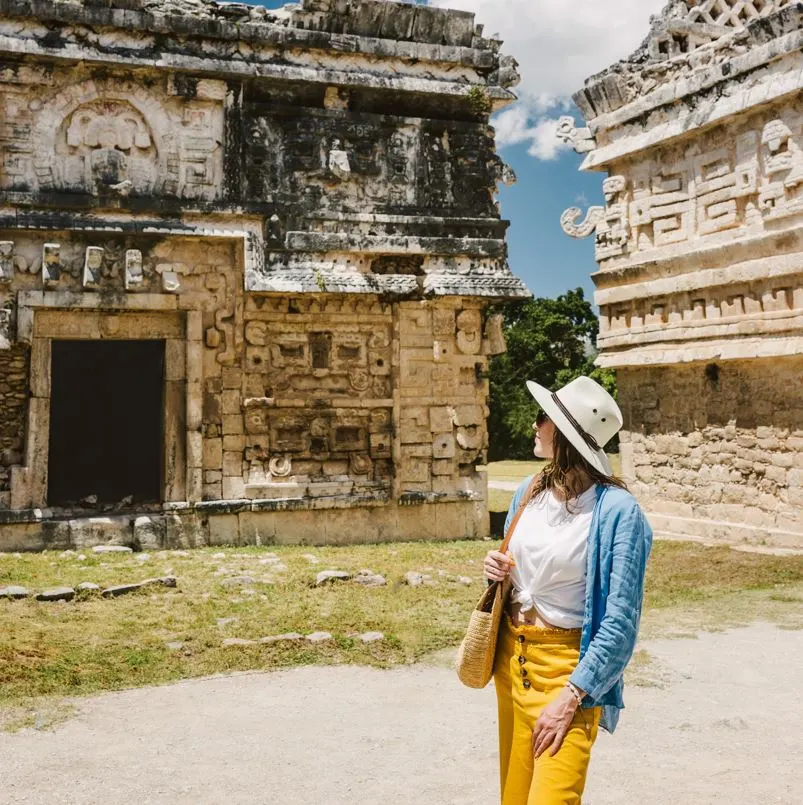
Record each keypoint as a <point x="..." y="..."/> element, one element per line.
<point x="550" y="546"/>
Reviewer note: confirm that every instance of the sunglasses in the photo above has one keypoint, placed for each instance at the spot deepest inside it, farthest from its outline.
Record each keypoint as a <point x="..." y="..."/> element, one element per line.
<point x="541" y="418"/>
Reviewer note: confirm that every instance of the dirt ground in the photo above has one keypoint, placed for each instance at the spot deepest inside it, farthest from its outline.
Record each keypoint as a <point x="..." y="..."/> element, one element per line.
<point x="720" y="724"/>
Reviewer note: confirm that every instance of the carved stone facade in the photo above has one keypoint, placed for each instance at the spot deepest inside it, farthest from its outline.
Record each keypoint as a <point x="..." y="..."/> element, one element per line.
<point x="286" y="221"/>
<point x="700" y="247"/>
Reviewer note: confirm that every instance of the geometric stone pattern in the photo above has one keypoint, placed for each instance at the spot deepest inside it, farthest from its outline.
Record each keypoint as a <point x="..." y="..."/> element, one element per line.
<point x="700" y="246"/>
<point x="301" y="204"/>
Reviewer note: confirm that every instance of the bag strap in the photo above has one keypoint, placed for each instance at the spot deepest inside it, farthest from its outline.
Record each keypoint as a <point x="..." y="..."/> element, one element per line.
<point x="525" y="499"/>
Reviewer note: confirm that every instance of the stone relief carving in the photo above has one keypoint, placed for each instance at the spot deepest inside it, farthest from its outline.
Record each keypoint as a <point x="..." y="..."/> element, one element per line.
<point x="569" y="221"/>
<point x="580" y="139"/>
<point x="6" y="316"/>
<point x="783" y="167"/>
<point x="706" y="189"/>
<point x="706" y="306"/>
<point x="280" y="466"/>
<point x="6" y="261"/>
<point x="469" y="332"/>
<point x="611" y="223"/>
<point x="51" y="264"/>
<point x="93" y="267"/>
<point x="494" y="341"/>
<point x="613" y="231"/>
<point x="109" y="148"/>
<point x="134" y="274"/>
<point x="339" y="165"/>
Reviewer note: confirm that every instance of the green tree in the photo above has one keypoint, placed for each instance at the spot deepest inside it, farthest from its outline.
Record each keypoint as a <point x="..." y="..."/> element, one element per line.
<point x="550" y="341"/>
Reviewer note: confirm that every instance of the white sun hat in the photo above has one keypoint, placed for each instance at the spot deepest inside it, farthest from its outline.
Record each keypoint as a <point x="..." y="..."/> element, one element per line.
<point x="585" y="414"/>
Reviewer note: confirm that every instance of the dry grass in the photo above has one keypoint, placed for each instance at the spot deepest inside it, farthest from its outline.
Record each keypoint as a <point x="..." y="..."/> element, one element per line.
<point x="519" y="470"/>
<point x="516" y="471"/>
<point x="96" y="644"/>
<point x="499" y="500"/>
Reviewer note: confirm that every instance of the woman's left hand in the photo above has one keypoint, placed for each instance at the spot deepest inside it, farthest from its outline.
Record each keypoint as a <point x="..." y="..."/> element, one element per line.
<point x="554" y="722"/>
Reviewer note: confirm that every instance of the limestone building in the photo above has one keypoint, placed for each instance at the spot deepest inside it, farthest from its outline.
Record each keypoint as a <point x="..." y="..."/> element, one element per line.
<point x="700" y="250"/>
<point x="245" y="263"/>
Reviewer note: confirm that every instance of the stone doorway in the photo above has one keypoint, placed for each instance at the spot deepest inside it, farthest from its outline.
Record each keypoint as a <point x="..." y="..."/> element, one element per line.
<point x="106" y="422"/>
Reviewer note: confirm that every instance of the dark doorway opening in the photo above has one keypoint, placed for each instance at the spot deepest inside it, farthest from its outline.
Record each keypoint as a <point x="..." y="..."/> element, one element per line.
<point x="106" y="422"/>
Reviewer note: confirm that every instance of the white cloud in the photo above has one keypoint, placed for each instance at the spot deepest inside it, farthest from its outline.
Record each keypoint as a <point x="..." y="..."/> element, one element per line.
<point x="558" y="44"/>
<point x="515" y="125"/>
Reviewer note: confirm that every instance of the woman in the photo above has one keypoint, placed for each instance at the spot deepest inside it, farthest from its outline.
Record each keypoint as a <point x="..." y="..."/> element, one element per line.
<point x="576" y="561"/>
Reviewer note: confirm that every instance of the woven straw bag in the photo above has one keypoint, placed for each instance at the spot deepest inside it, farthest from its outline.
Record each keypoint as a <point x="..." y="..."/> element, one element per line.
<point x="475" y="659"/>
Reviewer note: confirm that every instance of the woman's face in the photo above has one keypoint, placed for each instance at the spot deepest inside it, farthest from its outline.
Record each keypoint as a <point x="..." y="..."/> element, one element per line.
<point x="544" y="431"/>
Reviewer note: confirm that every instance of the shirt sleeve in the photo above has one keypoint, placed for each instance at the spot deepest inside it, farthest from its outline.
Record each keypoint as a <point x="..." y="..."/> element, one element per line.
<point x="612" y="646"/>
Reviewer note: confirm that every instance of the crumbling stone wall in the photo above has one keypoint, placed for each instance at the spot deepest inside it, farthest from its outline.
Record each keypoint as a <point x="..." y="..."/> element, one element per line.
<point x="13" y="396"/>
<point x="719" y="445"/>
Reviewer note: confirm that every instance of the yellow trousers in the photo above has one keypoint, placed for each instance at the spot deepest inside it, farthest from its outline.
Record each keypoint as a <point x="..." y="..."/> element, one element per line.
<point x="532" y="665"/>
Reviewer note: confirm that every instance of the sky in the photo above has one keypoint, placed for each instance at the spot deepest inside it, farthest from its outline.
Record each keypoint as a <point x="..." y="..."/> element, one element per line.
<point x="558" y="44"/>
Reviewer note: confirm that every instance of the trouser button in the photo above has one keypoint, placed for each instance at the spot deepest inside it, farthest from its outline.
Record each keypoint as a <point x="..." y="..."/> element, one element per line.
<point x="521" y="660"/>
<point x="526" y="684"/>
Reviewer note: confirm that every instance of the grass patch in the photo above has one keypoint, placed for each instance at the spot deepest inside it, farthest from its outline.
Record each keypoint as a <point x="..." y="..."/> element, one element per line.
<point x="519" y="470"/>
<point x="499" y="500"/>
<point x="93" y="644"/>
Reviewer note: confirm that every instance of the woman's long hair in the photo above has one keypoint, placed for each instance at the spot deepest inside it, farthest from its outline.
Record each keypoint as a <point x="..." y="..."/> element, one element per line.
<point x="561" y="474"/>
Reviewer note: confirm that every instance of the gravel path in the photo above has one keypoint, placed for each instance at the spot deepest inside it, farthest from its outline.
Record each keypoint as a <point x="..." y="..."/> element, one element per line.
<point x="723" y="728"/>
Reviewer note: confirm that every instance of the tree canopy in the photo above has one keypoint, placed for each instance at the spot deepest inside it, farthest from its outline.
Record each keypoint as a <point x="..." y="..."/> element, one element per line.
<point x="550" y="341"/>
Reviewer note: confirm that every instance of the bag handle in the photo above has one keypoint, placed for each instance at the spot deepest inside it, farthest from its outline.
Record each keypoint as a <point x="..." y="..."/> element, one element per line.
<point x="525" y="499"/>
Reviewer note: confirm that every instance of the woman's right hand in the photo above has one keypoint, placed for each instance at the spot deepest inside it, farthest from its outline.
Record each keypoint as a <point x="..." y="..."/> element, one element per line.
<point x="497" y="565"/>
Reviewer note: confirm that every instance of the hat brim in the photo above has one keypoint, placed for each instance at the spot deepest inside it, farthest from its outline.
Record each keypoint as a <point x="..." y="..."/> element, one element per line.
<point x="596" y="458"/>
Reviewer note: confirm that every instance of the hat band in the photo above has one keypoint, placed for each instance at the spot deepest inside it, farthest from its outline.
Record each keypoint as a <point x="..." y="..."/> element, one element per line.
<point x="587" y="437"/>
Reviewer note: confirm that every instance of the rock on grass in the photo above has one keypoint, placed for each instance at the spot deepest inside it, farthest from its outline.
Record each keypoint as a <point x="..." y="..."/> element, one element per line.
<point x="327" y="576"/>
<point x="319" y="637"/>
<point x="238" y="581"/>
<point x="370" y="579"/>
<point x="413" y="579"/>
<point x="56" y="594"/>
<point x="289" y="636"/>
<point x="122" y="589"/>
<point x="14" y="591"/>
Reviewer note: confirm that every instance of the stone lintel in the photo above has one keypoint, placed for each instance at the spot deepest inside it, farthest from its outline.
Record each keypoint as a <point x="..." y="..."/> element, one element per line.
<point x="639" y="286"/>
<point x="730" y="349"/>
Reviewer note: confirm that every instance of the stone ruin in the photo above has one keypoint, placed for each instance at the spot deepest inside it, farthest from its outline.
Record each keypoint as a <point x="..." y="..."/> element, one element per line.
<point x="246" y="259"/>
<point x="700" y="250"/>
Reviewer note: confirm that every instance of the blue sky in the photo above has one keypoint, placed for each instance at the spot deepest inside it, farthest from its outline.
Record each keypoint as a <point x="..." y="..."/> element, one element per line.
<point x="547" y="259"/>
<point x="557" y="48"/>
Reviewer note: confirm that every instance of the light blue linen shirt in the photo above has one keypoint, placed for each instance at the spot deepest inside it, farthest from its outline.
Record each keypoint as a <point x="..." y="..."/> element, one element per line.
<point x="619" y="543"/>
